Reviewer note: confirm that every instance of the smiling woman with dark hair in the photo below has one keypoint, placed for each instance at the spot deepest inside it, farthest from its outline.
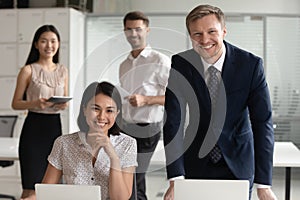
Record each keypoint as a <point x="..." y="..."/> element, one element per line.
<point x="40" y="78"/>
<point x="99" y="154"/>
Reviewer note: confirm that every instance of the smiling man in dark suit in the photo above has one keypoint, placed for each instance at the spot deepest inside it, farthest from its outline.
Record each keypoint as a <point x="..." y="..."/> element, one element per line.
<point x="230" y="132"/>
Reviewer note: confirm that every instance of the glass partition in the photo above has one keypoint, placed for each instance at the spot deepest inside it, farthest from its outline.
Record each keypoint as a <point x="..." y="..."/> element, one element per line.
<point x="274" y="38"/>
<point x="283" y="75"/>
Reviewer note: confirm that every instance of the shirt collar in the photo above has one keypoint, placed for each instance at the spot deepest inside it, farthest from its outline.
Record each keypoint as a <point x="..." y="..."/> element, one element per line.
<point x="145" y="53"/>
<point x="81" y="139"/>
<point x="218" y="64"/>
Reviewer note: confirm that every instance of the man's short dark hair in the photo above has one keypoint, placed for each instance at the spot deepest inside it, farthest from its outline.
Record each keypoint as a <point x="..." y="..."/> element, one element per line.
<point x="136" y="15"/>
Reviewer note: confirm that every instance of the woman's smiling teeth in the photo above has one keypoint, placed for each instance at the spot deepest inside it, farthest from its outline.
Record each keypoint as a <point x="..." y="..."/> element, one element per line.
<point x="48" y="51"/>
<point x="101" y="124"/>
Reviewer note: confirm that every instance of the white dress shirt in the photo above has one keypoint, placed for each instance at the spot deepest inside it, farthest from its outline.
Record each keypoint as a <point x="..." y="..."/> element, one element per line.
<point x="147" y="75"/>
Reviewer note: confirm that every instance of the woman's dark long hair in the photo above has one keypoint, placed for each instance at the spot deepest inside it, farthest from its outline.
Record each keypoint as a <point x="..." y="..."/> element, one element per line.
<point x="90" y="92"/>
<point x="34" y="54"/>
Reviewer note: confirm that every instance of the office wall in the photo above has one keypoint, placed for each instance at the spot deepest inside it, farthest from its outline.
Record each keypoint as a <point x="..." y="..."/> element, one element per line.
<point x="171" y="6"/>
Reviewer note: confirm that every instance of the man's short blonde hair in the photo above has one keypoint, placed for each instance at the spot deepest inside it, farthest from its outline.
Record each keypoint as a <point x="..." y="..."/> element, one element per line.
<point x="204" y="10"/>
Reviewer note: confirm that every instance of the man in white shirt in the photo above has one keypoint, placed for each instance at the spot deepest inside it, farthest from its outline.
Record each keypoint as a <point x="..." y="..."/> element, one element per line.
<point x="144" y="75"/>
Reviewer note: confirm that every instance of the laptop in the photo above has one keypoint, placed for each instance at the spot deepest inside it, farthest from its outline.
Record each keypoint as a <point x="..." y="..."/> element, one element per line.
<point x="67" y="192"/>
<point x="194" y="189"/>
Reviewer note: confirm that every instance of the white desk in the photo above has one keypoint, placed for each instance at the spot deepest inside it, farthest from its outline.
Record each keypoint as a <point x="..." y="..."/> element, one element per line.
<point x="287" y="155"/>
<point x="9" y="148"/>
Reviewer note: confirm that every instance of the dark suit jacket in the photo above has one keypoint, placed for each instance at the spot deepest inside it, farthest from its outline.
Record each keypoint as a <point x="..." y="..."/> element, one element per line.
<point x="244" y="117"/>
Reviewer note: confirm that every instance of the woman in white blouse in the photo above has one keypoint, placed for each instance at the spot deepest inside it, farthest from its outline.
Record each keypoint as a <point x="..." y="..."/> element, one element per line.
<point x="98" y="154"/>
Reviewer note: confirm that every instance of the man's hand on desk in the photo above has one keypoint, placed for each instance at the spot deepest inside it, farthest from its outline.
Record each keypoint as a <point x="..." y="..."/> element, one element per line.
<point x="169" y="195"/>
<point x="266" y="194"/>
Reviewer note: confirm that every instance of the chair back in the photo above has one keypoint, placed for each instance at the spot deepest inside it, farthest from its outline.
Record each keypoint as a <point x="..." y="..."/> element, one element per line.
<point x="7" y="125"/>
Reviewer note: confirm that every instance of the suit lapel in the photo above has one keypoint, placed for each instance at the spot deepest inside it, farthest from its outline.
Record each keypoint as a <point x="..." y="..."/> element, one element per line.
<point x="228" y="71"/>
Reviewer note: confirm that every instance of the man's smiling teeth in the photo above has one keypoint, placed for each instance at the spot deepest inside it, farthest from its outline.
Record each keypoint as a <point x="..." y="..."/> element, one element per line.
<point x="206" y="47"/>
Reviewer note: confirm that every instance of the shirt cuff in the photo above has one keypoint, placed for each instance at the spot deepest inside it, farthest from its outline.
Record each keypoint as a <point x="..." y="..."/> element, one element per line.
<point x="262" y="186"/>
<point x="177" y="177"/>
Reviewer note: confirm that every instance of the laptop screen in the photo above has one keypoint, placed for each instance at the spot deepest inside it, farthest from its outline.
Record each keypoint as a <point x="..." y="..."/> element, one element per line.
<point x="67" y="192"/>
<point x="211" y="189"/>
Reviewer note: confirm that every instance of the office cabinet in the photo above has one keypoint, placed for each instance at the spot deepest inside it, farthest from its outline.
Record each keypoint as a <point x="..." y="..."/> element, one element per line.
<point x="28" y="22"/>
<point x="23" y="51"/>
<point x="8" y="48"/>
<point x="59" y="17"/>
<point x="7" y="86"/>
<point x="8" y="66"/>
<point x="8" y="24"/>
